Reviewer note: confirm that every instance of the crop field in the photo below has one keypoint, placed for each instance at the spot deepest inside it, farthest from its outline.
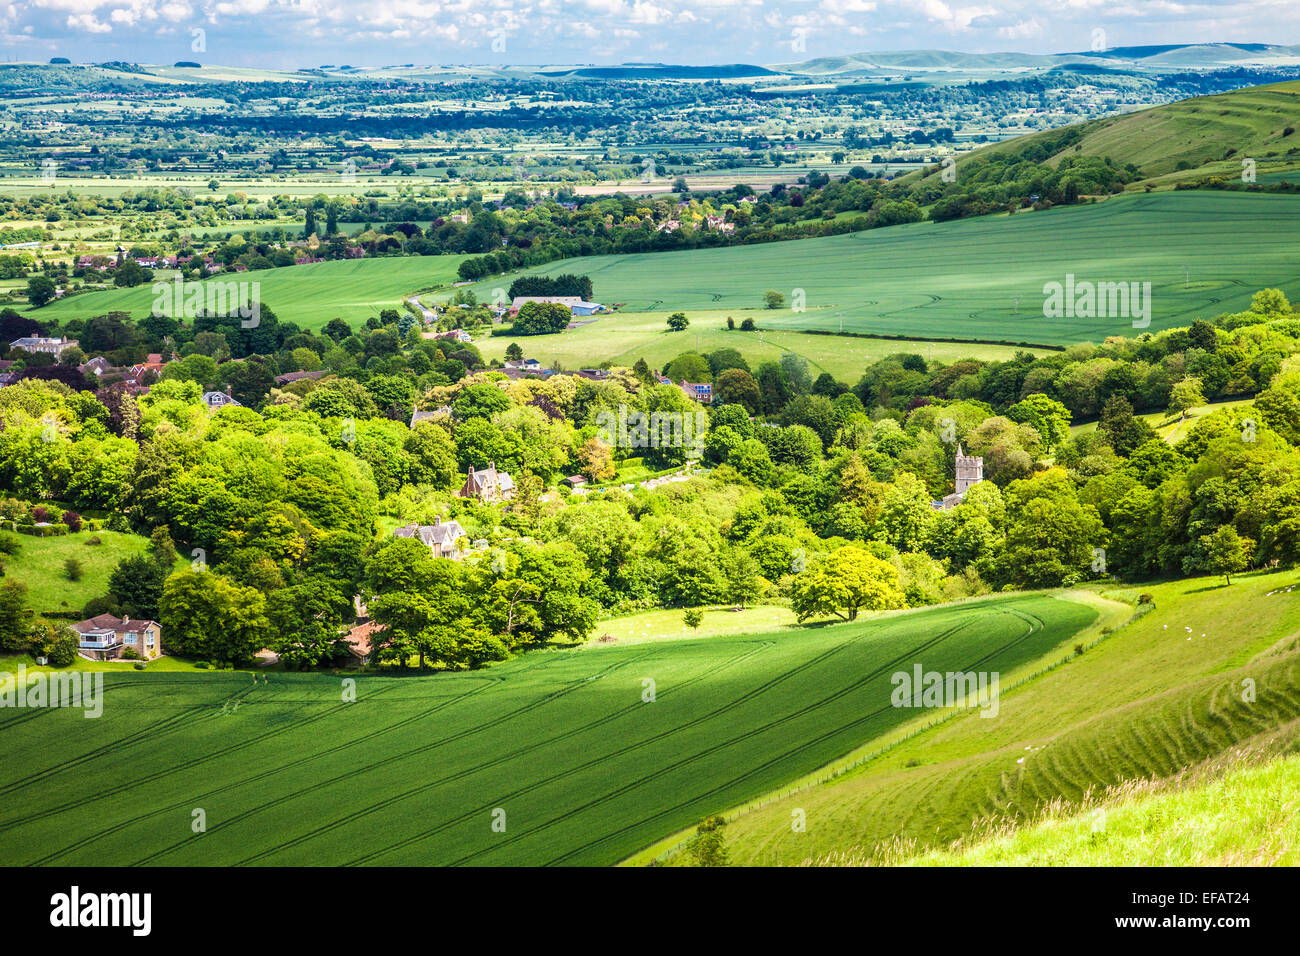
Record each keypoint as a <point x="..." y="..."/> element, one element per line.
<point x="1146" y="702"/>
<point x="309" y="295"/>
<point x="562" y="749"/>
<point x="981" y="278"/>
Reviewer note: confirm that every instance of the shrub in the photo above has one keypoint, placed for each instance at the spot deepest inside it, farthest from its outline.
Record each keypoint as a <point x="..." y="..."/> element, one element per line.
<point x="202" y="665"/>
<point x="72" y="569"/>
<point x="118" y="522"/>
<point x="693" y="617"/>
<point x="1146" y="599"/>
<point x="93" y="541"/>
<point x="139" y="665"/>
<point x="130" y="654"/>
<point x="72" y="520"/>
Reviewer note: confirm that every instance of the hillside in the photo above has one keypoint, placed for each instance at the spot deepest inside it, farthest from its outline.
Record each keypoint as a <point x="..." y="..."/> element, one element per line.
<point x="1146" y="702"/>
<point x="1247" y="817"/>
<point x="976" y="279"/>
<point x="584" y="765"/>
<point x="1258" y="122"/>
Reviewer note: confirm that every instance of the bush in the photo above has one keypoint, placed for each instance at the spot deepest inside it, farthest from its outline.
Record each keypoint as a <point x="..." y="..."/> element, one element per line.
<point x="202" y="665"/>
<point x="93" y="541"/>
<point x="72" y="569"/>
<point x="130" y="654"/>
<point x="693" y="617"/>
<point x="1146" y="599"/>
<point x="10" y="543"/>
<point x="72" y="520"/>
<point x="118" y="522"/>
<point x="139" y="665"/>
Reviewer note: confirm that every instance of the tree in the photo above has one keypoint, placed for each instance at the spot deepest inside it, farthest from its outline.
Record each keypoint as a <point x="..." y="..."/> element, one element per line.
<point x="514" y="352"/>
<point x="595" y="460"/>
<point x="735" y="386"/>
<point x="709" y="846"/>
<point x="137" y="585"/>
<point x="72" y="569"/>
<point x="1185" y="396"/>
<point x="15" y="616"/>
<point x="772" y="299"/>
<point x="40" y="290"/>
<point x="850" y="580"/>
<point x="208" y="616"/>
<point x="1226" y="552"/>
<point x="693" y="617"/>
<point x="678" y="322"/>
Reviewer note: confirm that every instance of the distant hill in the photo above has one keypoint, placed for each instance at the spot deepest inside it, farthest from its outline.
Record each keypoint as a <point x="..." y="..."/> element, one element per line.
<point x="1258" y="122"/>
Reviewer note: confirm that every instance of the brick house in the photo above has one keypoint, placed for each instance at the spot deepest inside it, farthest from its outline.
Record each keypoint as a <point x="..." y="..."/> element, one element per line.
<point x="441" y="538"/>
<point x="106" y="638"/>
<point x="487" y="484"/>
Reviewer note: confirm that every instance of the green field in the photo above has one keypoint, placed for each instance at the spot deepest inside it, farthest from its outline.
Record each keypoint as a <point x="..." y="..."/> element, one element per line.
<point x="622" y="338"/>
<point x="309" y="295"/>
<point x="39" y="565"/>
<point x="584" y="769"/>
<point x="1148" y="701"/>
<point x="961" y="279"/>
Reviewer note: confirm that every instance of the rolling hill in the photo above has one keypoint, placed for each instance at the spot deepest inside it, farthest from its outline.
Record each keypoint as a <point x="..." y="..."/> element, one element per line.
<point x="1148" y="701"/>
<point x="583" y="766"/>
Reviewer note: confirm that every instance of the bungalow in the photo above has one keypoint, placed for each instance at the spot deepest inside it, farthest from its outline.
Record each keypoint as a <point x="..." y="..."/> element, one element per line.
<point x="218" y="400"/>
<point x="575" y="481"/>
<point x="487" y="484"/>
<point x="529" y="365"/>
<point x="441" y="538"/>
<point x="107" y="638"/>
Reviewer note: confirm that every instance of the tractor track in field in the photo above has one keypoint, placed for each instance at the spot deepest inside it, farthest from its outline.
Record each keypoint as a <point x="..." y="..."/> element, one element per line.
<point x="485" y="684"/>
<point x="151" y="732"/>
<point x="424" y="748"/>
<point x="599" y="721"/>
<point x="692" y="723"/>
<point x="753" y="770"/>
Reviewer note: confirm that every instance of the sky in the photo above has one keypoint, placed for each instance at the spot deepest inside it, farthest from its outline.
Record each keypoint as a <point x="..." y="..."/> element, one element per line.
<point x="291" y="34"/>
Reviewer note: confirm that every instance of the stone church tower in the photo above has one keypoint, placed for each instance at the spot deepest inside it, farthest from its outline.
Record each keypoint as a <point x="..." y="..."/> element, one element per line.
<point x="970" y="470"/>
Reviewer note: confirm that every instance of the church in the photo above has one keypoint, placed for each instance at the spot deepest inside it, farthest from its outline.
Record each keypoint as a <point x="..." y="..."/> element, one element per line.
<point x="970" y="471"/>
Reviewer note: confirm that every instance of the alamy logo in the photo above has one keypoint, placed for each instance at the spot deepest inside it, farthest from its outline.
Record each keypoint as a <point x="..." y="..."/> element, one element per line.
<point x="952" y="689"/>
<point x="180" y="299"/>
<point x="75" y="909"/>
<point x="70" y="689"/>
<point x="1098" y="300"/>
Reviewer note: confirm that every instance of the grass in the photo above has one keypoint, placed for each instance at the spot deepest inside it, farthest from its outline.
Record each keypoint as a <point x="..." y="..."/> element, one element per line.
<point x="564" y="743"/>
<point x="1171" y="428"/>
<point x="39" y="565"/>
<point x="718" y="622"/>
<point x="1145" y="702"/>
<point x="977" y="279"/>
<point x="309" y="295"/>
<point x="622" y="338"/>
<point x="1248" y="817"/>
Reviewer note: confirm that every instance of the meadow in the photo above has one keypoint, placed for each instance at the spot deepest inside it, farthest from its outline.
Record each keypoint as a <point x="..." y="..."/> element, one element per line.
<point x="309" y="295"/>
<point x="562" y="748"/>
<point x="1204" y="253"/>
<point x="39" y="565"/>
<point x="621" y="338"/>
<point x="1147" y="701"/>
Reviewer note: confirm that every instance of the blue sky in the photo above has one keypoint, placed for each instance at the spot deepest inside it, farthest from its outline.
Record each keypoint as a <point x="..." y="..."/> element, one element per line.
<point x="299" y="33"/>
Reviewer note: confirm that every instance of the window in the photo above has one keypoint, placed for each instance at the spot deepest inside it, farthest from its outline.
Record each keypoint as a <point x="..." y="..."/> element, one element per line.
<point x="130" y="639"/>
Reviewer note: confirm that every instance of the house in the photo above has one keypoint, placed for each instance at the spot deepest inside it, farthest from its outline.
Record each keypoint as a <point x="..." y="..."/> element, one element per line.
<point x="460" y="335"/>
<point x="566" y="300"/>
<point x="487" y="484"/>
<point x="288" y="378"/>
<point x="420" y="415"/>
<point x="970" y="471"/>
<point x="43" y="344"/>
<point x="441" y="538"/>
<point x="528" y="365"/>
<point x="360" y="641"/>
<point x="574" y="481"/>
<point x="96" y="366"/>
<point x="107" y="638"/>
<point x="702" y="392"/>
<point x="218" y="400"/>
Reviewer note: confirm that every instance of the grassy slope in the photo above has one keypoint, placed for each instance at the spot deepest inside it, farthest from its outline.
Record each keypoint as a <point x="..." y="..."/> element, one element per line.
<point x="1170" y="427"/>
<point x="1250" y="816"/>
<point x="309" y="295"/>
<point x="1199" y="131"/>
<point x="1145" y="702"/>
<point x="622" y="338"/>
<point x="961" y="279"/>
<point x="39" y="565"/>
<point x="410" y="774"/>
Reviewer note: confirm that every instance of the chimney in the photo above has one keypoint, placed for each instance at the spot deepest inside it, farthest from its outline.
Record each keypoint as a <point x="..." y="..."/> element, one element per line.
<point x="227" y="390"/>
<point x="492" y="466"/>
